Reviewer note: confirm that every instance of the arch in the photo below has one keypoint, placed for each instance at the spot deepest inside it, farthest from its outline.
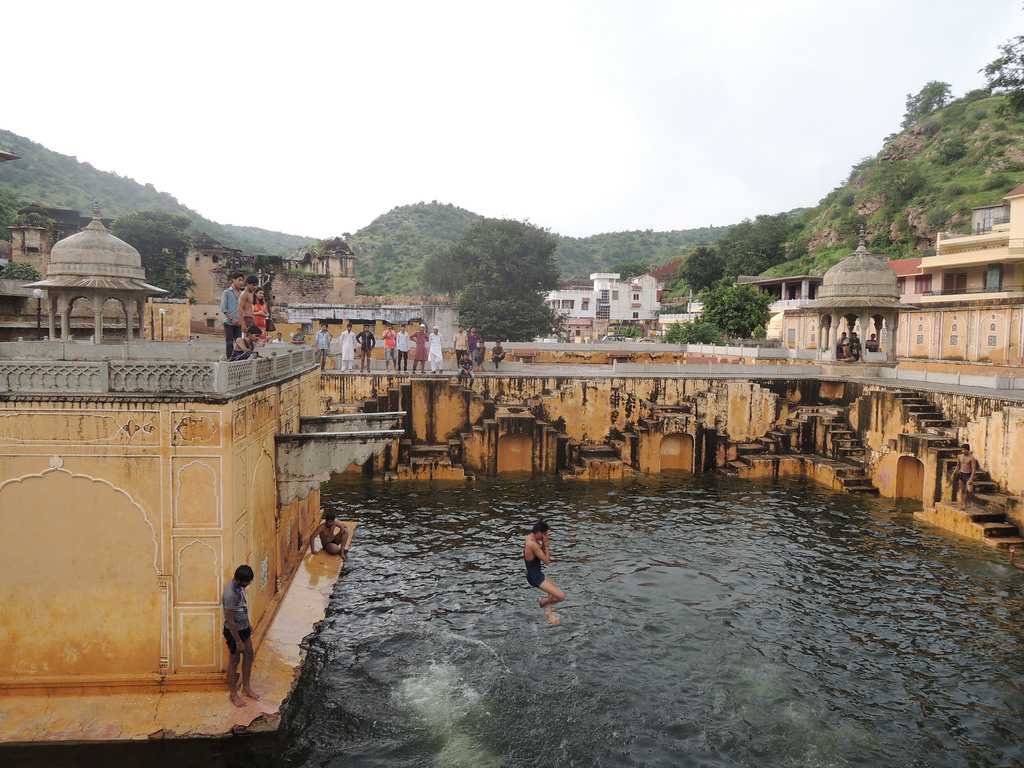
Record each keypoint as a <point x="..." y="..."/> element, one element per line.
<point x="78" y="578"/>
<point x="515" y="453"/>
<point x="909" y="478"/>
<point x="677" y="452"/>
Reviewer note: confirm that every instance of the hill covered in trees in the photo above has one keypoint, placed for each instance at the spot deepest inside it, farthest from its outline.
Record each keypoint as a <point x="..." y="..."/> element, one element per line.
<point x="49" y="178"/>
<point x="396" y="246"/>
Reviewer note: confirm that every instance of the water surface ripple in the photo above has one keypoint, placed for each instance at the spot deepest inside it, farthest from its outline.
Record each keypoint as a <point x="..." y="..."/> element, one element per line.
<point x="709" y="623"/>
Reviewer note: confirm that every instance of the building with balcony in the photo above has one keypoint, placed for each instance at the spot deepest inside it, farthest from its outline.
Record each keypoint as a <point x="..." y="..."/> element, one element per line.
<point x="606" y="299"/>
<point x="789" y="293"/>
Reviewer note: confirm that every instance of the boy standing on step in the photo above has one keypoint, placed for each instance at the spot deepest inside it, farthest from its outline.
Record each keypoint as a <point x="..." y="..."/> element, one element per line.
<point x="966" y="469"/>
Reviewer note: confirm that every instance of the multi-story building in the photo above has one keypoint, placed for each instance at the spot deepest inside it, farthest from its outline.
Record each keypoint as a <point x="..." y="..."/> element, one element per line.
<point x="589" y="308"/>
<point x="793" y="292"/>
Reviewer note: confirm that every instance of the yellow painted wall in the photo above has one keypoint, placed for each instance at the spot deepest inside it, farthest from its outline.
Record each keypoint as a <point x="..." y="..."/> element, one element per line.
<point x="120" y="523"/>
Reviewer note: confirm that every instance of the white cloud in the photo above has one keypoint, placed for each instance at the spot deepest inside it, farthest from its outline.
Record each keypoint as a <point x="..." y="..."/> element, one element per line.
<point x="581" y="116"/>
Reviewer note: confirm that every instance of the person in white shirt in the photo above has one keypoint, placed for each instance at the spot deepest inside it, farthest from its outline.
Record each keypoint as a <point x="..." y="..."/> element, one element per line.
<point x="348" y="349"/>
<point x="435" y="356"/>
<point x="402" y="345"/>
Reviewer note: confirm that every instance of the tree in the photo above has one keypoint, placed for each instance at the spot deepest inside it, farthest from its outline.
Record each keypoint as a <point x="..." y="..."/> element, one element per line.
<point x="934" y="95"/>
<point x="162" y="241"/>
<point x="736" y="309"/>
<point x="630" y="269"/>
<point x="8" y="212"/>
<point x="693" y="333"/>
<point x="23" y="272"/>
<point x="702" y="267"/>
<point x="1005" y="73"/>
<point x="751" y="247"/>
<point x="504" y="268"/>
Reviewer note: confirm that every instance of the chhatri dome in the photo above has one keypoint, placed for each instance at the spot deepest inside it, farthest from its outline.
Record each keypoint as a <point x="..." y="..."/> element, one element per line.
<point x="858" y="295"/>
<point x="862" y="279"/>
<point x="94" y="265"/>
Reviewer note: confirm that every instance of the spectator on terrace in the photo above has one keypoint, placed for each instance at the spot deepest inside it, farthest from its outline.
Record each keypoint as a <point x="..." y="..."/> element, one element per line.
<point x="278" y="339"/>
<point x="366" y="341"/>
<point x="459" y="344"/>
<point x="348" y="348"/>
<point x="421" y="340"/>
<point x="389" y="348"/>
<point x="245" y="345"/>
<point x="854" y="347"/>
<point x="260" y="309"/>
<point x="402" y="345"/>
<point x="323" y="344"/>
<point x="229" y="310"/>
<point x="497" y="354"/>
<point x="436" y="354"/>
<point x="479" y="354"/>
<point x="842" y="346"/>
<point x="246" y="307"/>
<point x="871" y="345"/>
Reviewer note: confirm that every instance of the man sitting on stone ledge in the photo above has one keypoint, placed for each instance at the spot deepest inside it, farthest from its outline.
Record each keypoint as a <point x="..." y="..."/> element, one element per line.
<point x="333" y="536"/>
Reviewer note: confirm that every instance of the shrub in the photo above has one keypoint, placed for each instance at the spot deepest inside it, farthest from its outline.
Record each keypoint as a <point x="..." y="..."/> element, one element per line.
<point x="931" y="127"/>
<point x="951" y="150"/>
<point x="846" y="200"/>
<point x="937" y="217"/>
<point x="995" y="181"/>
<point x="999" y="125"/>
<point x="980" y="114"/>
<point x="956" y="190"/>
<point x="693" y="333"/>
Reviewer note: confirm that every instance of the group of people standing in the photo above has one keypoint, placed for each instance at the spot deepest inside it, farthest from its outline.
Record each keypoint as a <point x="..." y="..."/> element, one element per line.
<point x="246" y="317"/>
<point x="426" y="348"/>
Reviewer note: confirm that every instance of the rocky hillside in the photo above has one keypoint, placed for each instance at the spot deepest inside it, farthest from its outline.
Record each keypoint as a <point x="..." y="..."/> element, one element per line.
<point x="49" y="178"/>
<point x="393" y="248"/>
<point x="924" y="179"/>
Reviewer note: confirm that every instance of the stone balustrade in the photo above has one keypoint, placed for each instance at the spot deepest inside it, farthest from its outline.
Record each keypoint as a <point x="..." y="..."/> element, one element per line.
<point x="176" y="375"/>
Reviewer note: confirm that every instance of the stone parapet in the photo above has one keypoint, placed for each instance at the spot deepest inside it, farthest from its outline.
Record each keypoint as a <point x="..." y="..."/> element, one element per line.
<point x="186" y="377"/>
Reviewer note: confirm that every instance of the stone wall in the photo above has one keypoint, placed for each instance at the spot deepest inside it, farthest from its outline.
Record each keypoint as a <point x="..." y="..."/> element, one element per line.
<point x="307" y="288"/>
<point x="154" y="502"/>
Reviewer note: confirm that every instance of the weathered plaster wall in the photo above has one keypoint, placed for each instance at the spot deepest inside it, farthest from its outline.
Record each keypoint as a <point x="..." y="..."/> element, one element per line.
<point x="120" y="522"/>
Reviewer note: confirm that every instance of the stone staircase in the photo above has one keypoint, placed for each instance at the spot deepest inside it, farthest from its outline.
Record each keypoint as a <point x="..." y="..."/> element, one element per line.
<point x="986" y="519"/>
<point x="850" y="454"/>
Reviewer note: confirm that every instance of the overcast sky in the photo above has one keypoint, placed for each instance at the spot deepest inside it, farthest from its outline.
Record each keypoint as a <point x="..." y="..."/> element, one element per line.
<point x="585" y="117"/>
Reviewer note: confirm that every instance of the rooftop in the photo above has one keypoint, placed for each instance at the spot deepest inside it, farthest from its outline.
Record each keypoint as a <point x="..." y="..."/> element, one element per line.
<point x="758" y="280"/>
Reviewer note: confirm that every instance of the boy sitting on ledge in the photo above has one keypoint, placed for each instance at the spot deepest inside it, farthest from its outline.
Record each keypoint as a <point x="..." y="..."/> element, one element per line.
<point x="333" y="536"/>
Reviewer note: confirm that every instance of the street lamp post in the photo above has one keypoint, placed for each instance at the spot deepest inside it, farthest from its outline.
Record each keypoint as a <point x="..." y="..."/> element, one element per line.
<point x="37" y="293"/>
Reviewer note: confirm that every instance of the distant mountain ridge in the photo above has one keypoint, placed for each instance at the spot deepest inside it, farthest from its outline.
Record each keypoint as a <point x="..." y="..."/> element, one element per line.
<point x="49" y="178"/>
<point x="391" y="250"/>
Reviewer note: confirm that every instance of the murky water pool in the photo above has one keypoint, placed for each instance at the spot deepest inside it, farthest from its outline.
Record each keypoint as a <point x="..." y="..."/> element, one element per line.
<point x="708" y="623"/>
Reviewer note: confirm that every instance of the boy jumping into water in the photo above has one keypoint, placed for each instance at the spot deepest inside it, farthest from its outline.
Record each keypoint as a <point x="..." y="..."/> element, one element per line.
<point x="536" y="554"/>
<point x="333" y="536"/>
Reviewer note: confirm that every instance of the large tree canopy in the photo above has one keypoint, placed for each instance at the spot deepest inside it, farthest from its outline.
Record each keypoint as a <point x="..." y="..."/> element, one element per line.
<point x="702" y="267"/>
<point x="736" y="309"/>
<point x="501" y="269"/>
<point x="162" y="241"/>
<point x="1005" y="73"/>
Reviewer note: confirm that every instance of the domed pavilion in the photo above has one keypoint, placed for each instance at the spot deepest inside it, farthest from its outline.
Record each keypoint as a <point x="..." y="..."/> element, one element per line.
<point x="859" y="294"/>
<point x="95" y="265"/>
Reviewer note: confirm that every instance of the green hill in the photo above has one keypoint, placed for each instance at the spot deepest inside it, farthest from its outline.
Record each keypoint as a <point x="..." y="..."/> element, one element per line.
<point x="925" y="179"/>
<point x="393" y="247"/>
<point x="60" y="181"/>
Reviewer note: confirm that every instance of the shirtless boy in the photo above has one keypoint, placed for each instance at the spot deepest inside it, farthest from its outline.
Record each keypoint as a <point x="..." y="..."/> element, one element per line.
<point x="966" y="469"/>
<point x="536" y="554"/>
<point x="333" y="536"/>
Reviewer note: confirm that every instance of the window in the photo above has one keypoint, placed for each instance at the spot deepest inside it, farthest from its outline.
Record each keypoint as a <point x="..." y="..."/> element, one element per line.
<point x="901" y="285"/>
<point x="636" y="297"/>
<point x="636" y="315"/>
<point x="209" y="322"/>
<point x="615" y="295"/>
<point x="954" y="340"/>
<point x="791" y="335"/>
<point x="216" y="259"/>
<point x="920" y="339"/>
<point x="585" y="304"/>
<point x="954" y="282"/>
<point x="923" y="284"/>
<point x="991" y="341"/>
<point x="994" y="277"/>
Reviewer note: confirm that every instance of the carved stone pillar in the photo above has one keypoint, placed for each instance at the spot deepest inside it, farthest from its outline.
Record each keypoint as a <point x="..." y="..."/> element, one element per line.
<point x="97" y="315"/>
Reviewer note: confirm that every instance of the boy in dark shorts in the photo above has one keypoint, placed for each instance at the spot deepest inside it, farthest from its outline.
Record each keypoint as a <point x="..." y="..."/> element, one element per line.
<point x="966" y="469"/>
<point x="333" y="536"/>
<point x="238" y="634"/>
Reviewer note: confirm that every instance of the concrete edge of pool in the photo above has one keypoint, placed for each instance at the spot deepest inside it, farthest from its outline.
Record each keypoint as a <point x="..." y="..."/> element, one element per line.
<point x="100" y="715"/>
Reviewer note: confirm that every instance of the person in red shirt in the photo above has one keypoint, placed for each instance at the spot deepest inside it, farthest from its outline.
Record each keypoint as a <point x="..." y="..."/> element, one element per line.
<point x="389" y="348"/>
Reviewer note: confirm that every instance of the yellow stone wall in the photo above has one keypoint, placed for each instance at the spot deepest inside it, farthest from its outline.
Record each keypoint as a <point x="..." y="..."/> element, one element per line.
<point x="176" y="321"/>
<point x="120" y="523"/>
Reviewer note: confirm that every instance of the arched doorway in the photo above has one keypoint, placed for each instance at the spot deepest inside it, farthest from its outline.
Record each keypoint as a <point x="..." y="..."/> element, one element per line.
<point x="909" y="478"/>
<point x="515" y="453"/>
<point x="78" y="585"/>
<point x="677" y="452"/>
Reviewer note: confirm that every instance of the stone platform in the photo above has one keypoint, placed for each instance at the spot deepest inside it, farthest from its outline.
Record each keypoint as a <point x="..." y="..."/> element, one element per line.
<point x="96" y="715"/>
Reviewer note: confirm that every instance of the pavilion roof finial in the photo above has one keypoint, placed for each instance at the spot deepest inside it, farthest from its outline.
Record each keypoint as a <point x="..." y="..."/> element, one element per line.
<point x="96" y="209"/>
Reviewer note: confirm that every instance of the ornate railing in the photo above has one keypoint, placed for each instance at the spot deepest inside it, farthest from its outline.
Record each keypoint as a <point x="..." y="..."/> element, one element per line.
<point x="181" y="377"/>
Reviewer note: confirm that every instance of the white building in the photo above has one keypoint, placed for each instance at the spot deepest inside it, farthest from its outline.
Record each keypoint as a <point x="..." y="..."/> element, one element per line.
<point x="606" y="300"/>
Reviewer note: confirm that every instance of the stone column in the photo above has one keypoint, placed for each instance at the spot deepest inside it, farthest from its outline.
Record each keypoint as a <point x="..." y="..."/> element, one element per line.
<point x="97" y="316"/>
<point x="51" y="314"/>
<point x="65" y="321"/>
<point x="140" y="317"/>
<point x="805" y="289"/>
